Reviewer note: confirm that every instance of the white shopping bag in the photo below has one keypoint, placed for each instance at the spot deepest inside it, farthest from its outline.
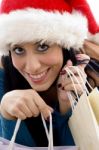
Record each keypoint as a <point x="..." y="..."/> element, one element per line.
<point x="84" y="126"/>
<point x="84" y="121"/>
<point x="10" y="145"/>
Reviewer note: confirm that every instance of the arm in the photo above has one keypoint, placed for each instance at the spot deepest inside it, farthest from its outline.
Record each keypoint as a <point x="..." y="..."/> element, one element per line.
<point x="1" y="81"/>
<point x="1" y="90"/>
<point x="91" y="49"/>
<point x="92" y="70"/>
<point x="1" y="85"/>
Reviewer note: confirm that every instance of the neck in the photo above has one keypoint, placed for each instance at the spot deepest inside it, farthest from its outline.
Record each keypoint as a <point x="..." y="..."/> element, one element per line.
<point x="49" y="96"/>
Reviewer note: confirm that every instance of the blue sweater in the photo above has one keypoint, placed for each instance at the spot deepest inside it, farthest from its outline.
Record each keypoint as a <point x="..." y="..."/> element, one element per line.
<point x="60" y="126"/>
<point x="1" y="91"/>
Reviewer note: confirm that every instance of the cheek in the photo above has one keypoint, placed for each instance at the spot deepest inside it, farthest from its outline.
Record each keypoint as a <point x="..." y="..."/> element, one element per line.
<point x="53" y="59"/>
<point x="17" y="63"/>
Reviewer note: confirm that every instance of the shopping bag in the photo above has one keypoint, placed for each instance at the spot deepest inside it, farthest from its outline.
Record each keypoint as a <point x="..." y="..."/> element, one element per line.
<point x="11" y="145"/>
<point x="94" y="101"/>
<point x="84" y="126"/>
<point x="4" y="146"/>
<point x="84" y="121"/>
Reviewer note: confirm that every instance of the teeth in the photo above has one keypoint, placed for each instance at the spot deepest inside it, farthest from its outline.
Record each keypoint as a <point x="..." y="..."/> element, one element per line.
<point x="38" y="76"/>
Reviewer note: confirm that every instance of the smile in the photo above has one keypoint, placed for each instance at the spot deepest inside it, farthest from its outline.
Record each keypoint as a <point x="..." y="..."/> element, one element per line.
<point x="38" y="77"/>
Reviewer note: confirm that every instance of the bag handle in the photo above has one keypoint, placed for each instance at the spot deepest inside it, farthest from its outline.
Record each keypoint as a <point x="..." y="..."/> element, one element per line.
<point x="49" y="133"/>
<point x="85" y="90"/>
<point x="11" y="145"/>
<point x="73" y="102"/>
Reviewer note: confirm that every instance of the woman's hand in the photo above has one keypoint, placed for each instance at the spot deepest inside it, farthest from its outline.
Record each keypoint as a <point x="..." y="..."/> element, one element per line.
<point x="22" y="104"/>
<point x="65" y="84"/>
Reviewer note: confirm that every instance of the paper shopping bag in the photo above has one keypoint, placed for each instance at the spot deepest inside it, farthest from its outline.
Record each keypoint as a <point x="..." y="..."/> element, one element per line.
<point x="4" y="146"/>
<point x="11" y="145"/>
<point x="94" y="101"/>
<point x="84" y="126"/>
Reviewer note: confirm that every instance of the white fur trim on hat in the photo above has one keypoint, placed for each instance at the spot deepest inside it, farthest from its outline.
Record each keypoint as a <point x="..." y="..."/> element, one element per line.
<point x="67" y="30"/>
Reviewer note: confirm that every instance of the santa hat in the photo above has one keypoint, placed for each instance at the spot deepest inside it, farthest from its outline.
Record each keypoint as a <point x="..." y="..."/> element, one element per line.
<point x="65" y="22"/>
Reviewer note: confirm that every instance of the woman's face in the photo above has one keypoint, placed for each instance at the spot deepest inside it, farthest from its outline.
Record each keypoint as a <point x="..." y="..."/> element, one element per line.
<point x="38" y="63"/>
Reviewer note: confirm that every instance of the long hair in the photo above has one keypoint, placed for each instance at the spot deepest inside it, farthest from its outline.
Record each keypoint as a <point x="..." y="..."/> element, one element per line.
<point x="12" y="78"/>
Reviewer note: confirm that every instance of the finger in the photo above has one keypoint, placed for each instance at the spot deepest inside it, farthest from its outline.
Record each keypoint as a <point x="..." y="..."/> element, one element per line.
<point x="83" y="60"/>
<point x="75" y="80"/>
<point x="20" y="115"/>
<point x="79" y="88"/>
<point x="33" y="107"/>
<point x="74" y="75"/>
<point x="69" y="63"/>
<point x="43" y="107"/>
<point x="25" y="109"/>
<point x="16" y="112"/>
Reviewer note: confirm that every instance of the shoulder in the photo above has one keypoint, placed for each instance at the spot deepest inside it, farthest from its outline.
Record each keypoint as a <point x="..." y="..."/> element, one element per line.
<point x="1" y="66"/>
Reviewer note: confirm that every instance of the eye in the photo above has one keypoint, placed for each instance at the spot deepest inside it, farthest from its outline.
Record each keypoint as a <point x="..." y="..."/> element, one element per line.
<point x="18" y="50"/>
<point x="43" y="47"/>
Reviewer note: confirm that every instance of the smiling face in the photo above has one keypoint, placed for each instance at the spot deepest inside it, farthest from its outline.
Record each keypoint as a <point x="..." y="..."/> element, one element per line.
<point x="38" y="63"/>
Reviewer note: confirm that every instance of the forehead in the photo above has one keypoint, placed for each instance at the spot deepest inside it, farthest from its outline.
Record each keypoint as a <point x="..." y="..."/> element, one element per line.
<point x="23" y="44"/>
<point x="33" y="43"/>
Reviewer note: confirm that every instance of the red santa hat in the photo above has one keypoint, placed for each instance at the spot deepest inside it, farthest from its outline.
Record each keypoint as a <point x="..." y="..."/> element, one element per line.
<point x="65" y="22"/>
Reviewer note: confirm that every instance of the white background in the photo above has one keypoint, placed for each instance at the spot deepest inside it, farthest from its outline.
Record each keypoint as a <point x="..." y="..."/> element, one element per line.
<point x="94" y="4"/>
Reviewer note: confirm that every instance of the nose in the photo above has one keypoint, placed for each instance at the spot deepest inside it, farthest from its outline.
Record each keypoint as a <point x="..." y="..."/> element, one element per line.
<point x="32" y="64"/>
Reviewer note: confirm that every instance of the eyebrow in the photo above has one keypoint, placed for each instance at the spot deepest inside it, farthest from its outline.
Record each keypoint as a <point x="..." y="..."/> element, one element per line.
<point x="37" y="42"/>
<point x="22" y="44"/>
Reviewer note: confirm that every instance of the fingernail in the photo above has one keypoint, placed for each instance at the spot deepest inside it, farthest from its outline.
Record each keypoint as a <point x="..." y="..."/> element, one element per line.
<point x="63" y="72"/>
<point x="59" y="85"/>
<point x="63" y="88"/>
<point x="69" y="75"/>
<point x="78" y="56"/>
<point x="47" y="119"/>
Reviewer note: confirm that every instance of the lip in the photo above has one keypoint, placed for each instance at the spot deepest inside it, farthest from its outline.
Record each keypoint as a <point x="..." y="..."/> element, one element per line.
<point x="39" y="79"/>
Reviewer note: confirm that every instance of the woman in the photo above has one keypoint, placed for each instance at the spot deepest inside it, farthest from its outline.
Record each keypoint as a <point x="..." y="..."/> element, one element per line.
<point x="38" y="43"/>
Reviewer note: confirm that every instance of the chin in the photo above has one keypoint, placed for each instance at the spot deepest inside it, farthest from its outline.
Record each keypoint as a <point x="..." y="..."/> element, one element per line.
<point x="41" y="88"/>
